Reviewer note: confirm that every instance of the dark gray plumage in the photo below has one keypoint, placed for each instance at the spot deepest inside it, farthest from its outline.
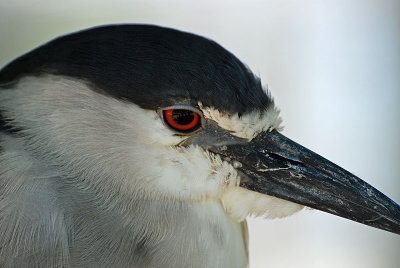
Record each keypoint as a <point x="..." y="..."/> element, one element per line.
<point x="148" y="65"/>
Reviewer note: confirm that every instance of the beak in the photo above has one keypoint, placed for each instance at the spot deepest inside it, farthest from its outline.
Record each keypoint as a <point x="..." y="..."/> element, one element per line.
<point x="275" y="165"/>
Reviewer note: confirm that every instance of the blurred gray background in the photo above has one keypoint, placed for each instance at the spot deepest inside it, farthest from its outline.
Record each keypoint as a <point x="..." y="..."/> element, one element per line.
<point x="333" y="67"/>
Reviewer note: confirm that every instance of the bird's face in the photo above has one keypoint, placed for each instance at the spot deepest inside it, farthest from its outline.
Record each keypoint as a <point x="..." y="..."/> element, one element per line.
<point x="153" y="113"/>
<point x="117" y="147"/>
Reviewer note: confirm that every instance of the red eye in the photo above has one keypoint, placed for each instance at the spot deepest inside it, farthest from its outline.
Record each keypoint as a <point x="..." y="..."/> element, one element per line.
<point x="182" y="120"/>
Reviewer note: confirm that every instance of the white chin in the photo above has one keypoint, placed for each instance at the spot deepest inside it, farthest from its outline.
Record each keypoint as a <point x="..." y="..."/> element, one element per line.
<point x="240" y="203"/>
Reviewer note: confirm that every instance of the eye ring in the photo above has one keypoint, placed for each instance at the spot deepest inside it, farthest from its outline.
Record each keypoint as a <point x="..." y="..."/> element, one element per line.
<point x="182" y="119"/>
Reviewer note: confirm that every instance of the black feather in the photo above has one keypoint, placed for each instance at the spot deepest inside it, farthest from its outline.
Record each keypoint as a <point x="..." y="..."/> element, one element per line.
<point x="148" y="65"/>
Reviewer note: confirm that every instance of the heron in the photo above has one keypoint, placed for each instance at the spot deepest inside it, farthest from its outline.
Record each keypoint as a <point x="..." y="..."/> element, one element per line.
<point x="143" y="146"/>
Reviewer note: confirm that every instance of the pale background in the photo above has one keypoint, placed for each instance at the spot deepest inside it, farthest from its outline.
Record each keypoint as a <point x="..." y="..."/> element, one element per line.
<point x="334" y="69"/>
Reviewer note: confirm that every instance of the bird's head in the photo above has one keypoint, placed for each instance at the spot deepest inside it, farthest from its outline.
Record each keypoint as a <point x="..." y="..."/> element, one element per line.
<point x="143" y="112"/>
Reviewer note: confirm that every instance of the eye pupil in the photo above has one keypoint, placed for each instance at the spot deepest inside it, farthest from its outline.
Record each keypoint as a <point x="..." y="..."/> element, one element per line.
<point x="183" y="117"/>
<point x="182" y="120"/>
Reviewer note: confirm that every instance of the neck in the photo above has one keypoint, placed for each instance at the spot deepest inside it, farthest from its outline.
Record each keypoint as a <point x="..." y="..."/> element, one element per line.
<point x="46" y="221"/>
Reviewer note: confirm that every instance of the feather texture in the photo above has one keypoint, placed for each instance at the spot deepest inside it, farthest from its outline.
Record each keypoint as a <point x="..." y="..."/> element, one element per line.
<point x="92" y="181"/>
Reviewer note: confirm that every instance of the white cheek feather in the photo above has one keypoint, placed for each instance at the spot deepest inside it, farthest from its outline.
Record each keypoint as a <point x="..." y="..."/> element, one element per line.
<point x="240" y="203"/>
<point x="119" y="148"/>
<point x="248" y="125"/>
<point x="110" y="144"/>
